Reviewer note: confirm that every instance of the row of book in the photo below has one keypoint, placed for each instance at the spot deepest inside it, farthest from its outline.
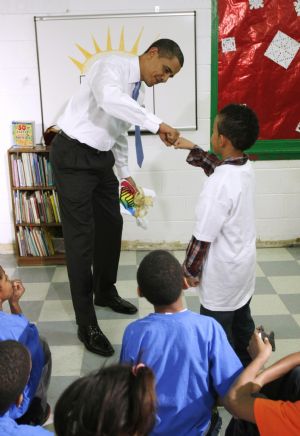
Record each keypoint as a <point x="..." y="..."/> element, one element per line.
<point x="35" y="242"/>
<point x="36" y="207"/>
<point x="31" y="169"/>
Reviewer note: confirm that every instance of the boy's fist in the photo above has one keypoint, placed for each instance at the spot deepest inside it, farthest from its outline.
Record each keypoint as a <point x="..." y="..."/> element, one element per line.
<point x="18" y="290"/>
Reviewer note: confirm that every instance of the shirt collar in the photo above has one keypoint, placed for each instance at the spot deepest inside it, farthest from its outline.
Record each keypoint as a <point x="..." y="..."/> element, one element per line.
<point x="236" y="160"/>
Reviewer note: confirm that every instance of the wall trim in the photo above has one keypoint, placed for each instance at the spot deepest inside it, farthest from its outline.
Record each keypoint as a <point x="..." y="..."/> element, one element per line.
<point x="174" y="245"/>
<point x="7" y="248"/>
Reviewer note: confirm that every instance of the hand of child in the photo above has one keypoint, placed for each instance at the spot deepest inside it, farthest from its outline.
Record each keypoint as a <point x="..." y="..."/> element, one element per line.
<point x="18" y="291"/>
<point x="184" y="144"/>
<point x="258" y="347"/>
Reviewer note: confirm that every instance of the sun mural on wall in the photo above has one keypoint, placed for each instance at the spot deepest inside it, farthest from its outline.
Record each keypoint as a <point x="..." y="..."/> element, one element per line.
<point x="90" y="58"/>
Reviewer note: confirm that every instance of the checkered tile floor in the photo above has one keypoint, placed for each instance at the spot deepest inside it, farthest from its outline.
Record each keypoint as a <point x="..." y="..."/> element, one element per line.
<point x="276" y="305"/>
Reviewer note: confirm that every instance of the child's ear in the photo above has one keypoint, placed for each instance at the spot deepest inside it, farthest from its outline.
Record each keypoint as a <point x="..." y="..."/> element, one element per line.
<point x="139" y="292"/>
<point x="185" y="284"/>
<point x="19" y="400"/>
<point x="222" y="140"/>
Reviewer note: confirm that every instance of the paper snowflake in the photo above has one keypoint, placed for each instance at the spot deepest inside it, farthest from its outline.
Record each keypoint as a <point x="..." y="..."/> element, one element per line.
<point x="298" y="128"/>
<point x="297" y="7"/>
<point x="228" y="44"/>
<point x="256" y="4"/>
<point x="282" y="49"/>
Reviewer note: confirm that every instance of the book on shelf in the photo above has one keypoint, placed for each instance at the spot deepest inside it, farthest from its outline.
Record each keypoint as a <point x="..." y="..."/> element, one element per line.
<point x="23" y="134"/>
<point x="27" y="169"/>
<point x="30" y="242"/>
<point x="35" y="242"/>
<point x="31" y="169"/>
<point x="36" y="207"/>
<point x="20" y="171"/>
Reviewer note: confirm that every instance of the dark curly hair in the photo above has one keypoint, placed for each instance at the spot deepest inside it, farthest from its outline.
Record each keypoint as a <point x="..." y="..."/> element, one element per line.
<point x="15" y="366"/>
<point x="160" y="278"/>
<point x="238" y="123"/>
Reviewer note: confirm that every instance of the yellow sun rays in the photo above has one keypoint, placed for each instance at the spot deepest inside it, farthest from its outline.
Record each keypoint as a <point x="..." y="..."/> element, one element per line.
<point x="91" y="57"/>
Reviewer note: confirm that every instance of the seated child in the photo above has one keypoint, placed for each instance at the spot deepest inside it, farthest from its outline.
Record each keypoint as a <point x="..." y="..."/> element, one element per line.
<point x="189" y="354"/>
<point x="34" y="408"/>
<point x="276" y="409"/>
<point x="221" y="255"/>
<point x="15" y="367"/>
<point x="117" y="400"/>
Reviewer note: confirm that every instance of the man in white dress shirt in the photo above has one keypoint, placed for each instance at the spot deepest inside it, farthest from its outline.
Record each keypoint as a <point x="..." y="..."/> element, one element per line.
<point x="92" y="139"/>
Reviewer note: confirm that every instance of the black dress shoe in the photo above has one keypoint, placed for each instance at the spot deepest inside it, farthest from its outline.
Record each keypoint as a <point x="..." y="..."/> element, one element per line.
<point x="117" y="304"/>
<point x="94" y="340"/>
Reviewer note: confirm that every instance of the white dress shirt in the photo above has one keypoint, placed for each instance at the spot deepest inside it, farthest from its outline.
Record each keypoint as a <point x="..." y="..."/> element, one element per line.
<point x="102" y="110"/>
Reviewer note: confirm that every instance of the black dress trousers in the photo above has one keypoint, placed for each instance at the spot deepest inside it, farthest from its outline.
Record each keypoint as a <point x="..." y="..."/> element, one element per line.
<point x="92" y="224"/>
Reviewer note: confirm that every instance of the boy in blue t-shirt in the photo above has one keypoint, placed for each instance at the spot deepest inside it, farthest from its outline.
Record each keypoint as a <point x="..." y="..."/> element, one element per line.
<point x="34" y="409"/>
<point x="190" y="355"/>
<point x="15" y="366"/>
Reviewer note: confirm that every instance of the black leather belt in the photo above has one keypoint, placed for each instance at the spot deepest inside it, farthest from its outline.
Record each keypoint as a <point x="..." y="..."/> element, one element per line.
<point x="80" y="144"/>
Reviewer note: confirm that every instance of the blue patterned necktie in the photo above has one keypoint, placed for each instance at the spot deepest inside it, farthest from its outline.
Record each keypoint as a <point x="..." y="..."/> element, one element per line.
<point x="138" y="139"/>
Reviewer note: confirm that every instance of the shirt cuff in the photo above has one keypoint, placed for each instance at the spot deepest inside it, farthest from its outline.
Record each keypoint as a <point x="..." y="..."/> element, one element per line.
<point x="152" y="123"/>
<point x="123" y="172"/>
<point x="186" y="272"/>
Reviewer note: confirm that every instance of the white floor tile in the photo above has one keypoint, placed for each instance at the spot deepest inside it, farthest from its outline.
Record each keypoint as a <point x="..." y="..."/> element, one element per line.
<point x="60" y="274"/>
<point x="144" y="312"/>
<point x="114" y="329"/>
<point x="66" y="360"/>
<point x="128" y="258"/>
<point x="127" y="288"/>
<point x="180" y="255"/>
<point x="283" y="348"/>
<point x="297" y="319"/>
<point x="35" y="291"/>
<point x="57" y="311"/>
<point x="286" y="284"/>
<point x="267" y="305"/>
<point x="273" y="254"/>
<point x="144" y="304"/>
<point x="259" y="271"/>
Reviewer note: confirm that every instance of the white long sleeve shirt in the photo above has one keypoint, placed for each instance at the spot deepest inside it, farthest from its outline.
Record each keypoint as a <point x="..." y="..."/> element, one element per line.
<point x="102" y="110"/>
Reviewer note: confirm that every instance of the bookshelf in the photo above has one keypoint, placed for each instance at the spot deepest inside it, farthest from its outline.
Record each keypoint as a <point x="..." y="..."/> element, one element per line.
<point x="36" y="215"/>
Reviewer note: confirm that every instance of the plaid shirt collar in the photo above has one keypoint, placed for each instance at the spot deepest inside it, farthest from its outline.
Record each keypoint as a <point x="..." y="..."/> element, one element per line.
<point x="235" y="160"/>
<point x="209" y="161"/>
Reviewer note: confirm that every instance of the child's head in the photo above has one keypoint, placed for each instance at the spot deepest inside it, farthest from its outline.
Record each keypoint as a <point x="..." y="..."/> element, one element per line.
<point x="15" y="365"/>
<point x="6" y="289"/>
<point x="239" y="124"/>
<point x="118" y="400"/>
<point x="160" y="278"/>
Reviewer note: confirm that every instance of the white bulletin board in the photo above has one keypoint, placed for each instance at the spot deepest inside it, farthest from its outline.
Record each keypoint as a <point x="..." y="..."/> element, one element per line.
<point x="68" y="45"/>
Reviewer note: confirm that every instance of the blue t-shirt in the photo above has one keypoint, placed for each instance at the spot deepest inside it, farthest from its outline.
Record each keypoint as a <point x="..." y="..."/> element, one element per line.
<point x="193" y="363"/>
<point x="8" y="427"/>
<point x="18" y="328"/>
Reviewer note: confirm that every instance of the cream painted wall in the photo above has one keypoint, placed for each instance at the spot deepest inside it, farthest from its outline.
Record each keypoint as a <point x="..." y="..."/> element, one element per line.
<point x="164" y="170"/>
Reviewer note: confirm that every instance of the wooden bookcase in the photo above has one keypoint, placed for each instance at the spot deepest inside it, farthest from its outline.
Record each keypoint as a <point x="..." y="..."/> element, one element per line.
<point x="38" y="230"/>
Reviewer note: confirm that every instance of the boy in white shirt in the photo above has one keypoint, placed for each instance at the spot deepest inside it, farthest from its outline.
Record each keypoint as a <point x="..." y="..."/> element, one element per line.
<point x="221" y="255"/>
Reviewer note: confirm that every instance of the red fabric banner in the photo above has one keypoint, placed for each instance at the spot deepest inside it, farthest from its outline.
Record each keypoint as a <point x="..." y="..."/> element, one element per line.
<point x="270" y="86"/>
